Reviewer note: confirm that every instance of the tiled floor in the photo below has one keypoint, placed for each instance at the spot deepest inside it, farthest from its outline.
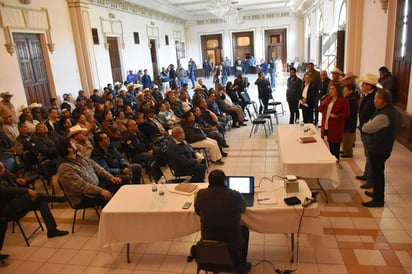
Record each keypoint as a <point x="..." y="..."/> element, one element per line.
<point x="357" y="239"/>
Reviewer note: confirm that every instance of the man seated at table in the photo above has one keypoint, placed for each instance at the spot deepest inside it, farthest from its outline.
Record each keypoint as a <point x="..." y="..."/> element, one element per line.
<point x="84" y="181"/>
<point x="182" y="159"/>
<point x="220" y="210"/>
<point x="108" y="157"/>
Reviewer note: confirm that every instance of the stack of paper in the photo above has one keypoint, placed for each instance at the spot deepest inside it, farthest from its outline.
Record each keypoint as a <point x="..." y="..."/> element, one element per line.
<point x="266" y="198"/>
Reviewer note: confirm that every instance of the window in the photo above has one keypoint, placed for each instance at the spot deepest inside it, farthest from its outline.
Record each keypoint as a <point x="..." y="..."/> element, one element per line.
<point x="210" y="44"/>
<point x="243" y="41"/>
<point x="136" y="38"/>
<point x="167" y="40"/>
<point x="95" y="36"/>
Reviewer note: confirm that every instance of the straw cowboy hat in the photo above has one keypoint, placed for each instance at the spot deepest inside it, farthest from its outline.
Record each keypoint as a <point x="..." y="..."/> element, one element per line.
<point x="5" y="93"/>
<point x="23" y="108"/>
<point x="36" y="105"/>
<point x="336" y="70"/>
<point x="198" y="87"/>
<point x="349" y="75"/>
<point x="75" y="129"/>
<point x="369" y="78"/>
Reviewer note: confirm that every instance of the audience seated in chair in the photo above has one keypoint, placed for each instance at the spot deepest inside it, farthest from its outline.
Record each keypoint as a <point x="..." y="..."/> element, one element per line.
<point x="16" y="200"/>
<point x="197" y="138"/>
<point x="108" y="157"/>
<point x="182" y="159"/>
<point x="83" y="180"/>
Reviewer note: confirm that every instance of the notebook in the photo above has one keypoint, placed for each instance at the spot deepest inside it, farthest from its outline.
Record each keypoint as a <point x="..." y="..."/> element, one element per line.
<point x="245" y="185"/>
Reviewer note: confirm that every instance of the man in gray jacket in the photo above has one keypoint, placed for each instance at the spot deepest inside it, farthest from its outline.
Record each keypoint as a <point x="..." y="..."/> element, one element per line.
<point x="83" y="180"/>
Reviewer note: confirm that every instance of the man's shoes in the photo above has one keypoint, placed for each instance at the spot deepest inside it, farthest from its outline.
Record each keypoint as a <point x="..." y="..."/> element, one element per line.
<point x="56" y="233"/>
<point x="225" y="145"/>
<point x="245" y="120"/>
<point x="224" y="154"/>
<point x="246" y="267"/>
<point x="219" y="162"/>
<point x="3" y="257"/>
<point x="346" y="156"/>
<point x="235" y="126"/>
<point x="372" y="203"/>
<point x="242" y="124"/>
<point x="361" y="178"/>
<point x="366" y="186"/>
<point x="369" y="193"/>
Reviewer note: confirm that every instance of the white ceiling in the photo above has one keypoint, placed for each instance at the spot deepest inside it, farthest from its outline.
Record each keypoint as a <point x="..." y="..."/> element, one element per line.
<point x="193" y="9"/>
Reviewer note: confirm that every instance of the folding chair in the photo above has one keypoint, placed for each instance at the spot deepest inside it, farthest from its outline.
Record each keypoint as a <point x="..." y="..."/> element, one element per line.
<point x="16" y="220"/>
<point x="214" y="256"/>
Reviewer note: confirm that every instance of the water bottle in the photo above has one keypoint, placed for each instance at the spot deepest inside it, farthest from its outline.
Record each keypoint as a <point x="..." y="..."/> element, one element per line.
<point x="154" y="191"/>
<point x="162" y="188"/>
<point x="302" y="127"/>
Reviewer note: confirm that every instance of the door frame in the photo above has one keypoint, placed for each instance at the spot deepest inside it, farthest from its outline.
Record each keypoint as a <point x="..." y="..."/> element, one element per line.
<point x="281" y="31"/>
<point x="204" y="49"/>
<point x="236" y="34"/>
<point x="122" y="72"/>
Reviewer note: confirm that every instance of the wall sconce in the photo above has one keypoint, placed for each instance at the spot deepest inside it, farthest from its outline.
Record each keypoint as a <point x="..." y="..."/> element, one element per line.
<point x="26" y="2"/>
<point x="152" y="23"/>
<point x="112" y="16"/>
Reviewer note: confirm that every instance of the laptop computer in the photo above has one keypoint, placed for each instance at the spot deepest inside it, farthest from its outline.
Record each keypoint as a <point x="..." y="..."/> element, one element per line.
<point x="245" y="185"/>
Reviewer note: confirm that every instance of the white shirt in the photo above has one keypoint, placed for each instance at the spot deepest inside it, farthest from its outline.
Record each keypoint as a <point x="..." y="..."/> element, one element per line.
<point x="305" y="91"/>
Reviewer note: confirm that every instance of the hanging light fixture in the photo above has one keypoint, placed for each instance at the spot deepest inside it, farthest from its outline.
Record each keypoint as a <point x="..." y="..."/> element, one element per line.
<point x="219" y="7"/>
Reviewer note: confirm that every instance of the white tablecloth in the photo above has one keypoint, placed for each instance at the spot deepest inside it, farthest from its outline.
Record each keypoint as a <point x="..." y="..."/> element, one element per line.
<point x="309" y="160"/>
<point x="133" y="217"/>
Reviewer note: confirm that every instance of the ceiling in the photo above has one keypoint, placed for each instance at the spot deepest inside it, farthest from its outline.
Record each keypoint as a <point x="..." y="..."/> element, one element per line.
<point x="195" y="9"/>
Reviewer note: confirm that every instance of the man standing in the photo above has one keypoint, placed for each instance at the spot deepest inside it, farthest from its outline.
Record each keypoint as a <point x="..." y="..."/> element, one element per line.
<point x="293" y="94"/>
<point x="220" y="210"/>
<point x="192" y="72"/>
<point x="6" y="107"/>
<point x="264" y="91"/>
<point x="388" y="81"/>
<point x="206" y="69"/>
<point x="272" y="71"/>
<point x="381" y="135"/>
<point x="164" y="77"/>
<point x="146" y="80"/>
<point x="366" y="111"/>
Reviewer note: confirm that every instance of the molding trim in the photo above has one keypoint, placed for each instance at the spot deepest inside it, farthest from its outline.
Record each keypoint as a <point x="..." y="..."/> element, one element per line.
<point x="252" y="17"/>
<point x="26" y="19"/>
<point x="125" y="6"/>
<point x="112" y="28"/>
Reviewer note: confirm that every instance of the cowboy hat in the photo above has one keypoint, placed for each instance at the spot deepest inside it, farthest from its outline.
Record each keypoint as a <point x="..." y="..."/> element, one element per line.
<point x="36" y="105"/>
<point x="5" y="93"/>
<point x="349" y="75"/>
<point x="117" y="83"/>
<point x="146" y="90"/>
<point x="336" y="70"/>
<point x="23" y="108"/>
<point x="198" y="87"/>
<point x="75" y="129"/>
<point x="369" y="78"/>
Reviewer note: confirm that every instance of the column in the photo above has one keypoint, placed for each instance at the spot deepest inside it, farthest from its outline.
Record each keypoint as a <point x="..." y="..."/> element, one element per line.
<point x="353" y="41"/>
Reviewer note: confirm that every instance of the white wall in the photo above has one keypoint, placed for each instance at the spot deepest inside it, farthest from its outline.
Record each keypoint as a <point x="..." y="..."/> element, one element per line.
<point x="63" y="59"/>
<point x="291" y="23"/>
<point x="373" y="38"/>
<point x="134" y="56"/>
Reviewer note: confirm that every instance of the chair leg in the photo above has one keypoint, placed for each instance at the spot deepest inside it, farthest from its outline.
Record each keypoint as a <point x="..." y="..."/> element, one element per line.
<point x="38" y="219"/>
<point x="74" y="220"/>
<point x="97" y="212"/>
<point x="264" y="127"/>
<point x="251" y="130"/>
<point x="22" y="233"/>
<point x="84" y="212"/>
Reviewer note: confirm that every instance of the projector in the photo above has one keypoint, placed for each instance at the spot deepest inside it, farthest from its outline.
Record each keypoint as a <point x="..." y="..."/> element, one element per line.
<point x="291" y="184"/>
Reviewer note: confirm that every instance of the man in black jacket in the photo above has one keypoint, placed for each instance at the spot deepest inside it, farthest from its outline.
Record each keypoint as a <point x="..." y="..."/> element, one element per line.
<point x="220" y="210"/>
<point x="366" y="111"/>
<point x="182" y="159"/>
<point x="293" y="94"/>
<point x="308" y="98"/>
<point x="15" y="201"/>
<point x="380" y="132"/>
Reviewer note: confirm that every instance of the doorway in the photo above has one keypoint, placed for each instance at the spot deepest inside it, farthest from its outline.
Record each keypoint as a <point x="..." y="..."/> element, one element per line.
<point x="153" y="54"/>
<point x="115" y="63"/>
<point x="340" y="50"/>
<point x="276" y="45"/>
<point x="212" y="48"/>
<point x="243" y="46"/>
<point x="32" y="68"/>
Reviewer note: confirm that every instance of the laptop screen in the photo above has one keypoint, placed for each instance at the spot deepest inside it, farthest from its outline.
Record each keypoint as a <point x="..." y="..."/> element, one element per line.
<point x="243" y="184"/>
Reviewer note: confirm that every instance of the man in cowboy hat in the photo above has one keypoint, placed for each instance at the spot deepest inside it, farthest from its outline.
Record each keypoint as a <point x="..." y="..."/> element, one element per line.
<point x="78" y="137"/>
<point x="336" y="73"/>
<point x="7" y="108"/>
<point x="367" y="108"/>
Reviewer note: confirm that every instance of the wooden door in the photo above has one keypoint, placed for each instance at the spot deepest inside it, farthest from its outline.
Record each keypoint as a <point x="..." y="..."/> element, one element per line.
<point x="212" y="48"/>
<point x="340" y="50"/>
<point x="32" y="68"/>
<point x="243" y="45"/>
<point x="153" y="54"/>
<point x="115" y="59"/>
<point x="276" y="45"/>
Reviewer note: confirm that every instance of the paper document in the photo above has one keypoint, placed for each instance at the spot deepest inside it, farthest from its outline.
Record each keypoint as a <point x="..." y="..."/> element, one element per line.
<point x="266" y="198"/>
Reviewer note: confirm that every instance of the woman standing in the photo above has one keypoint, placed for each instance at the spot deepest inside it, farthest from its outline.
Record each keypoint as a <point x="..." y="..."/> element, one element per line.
<point x="334" y="109"/>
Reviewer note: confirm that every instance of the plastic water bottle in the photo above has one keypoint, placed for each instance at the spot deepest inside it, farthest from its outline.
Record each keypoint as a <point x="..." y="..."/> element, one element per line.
<point x="162" y="188"/>
<point x="154" y="191"/>
<point x="302" y="127"/>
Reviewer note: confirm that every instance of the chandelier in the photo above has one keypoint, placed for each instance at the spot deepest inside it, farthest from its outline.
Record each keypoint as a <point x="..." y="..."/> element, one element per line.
<point x="224" y="10"/>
